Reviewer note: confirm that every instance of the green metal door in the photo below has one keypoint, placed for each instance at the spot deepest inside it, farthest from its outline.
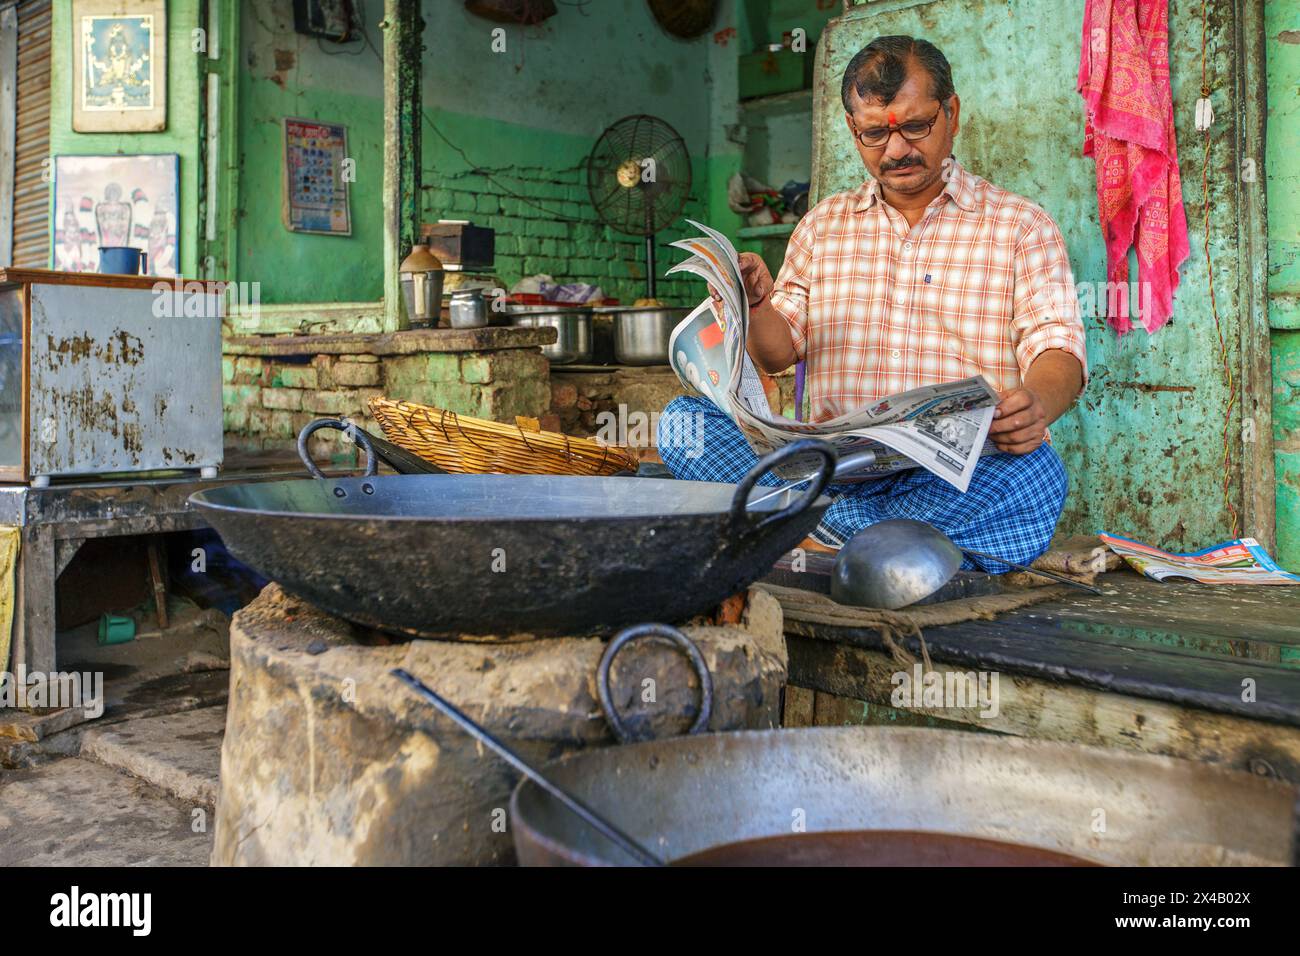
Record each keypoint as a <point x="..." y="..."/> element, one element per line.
<point x="1144" y="447"/>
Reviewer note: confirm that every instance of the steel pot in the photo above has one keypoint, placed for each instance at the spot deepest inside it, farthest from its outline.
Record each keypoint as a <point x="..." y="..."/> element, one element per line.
<point x="468" y="309"/>
<point x="572" y="330"/>
<point x="641" y="335"/>
<point x="688" y="794"/>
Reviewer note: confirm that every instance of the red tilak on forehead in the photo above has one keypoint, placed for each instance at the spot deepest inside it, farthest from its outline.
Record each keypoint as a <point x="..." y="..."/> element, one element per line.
<point x="892" y="121"/>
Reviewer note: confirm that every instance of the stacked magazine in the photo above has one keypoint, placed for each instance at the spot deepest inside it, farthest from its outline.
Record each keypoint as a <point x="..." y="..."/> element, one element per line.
<point x="942" y="428"/>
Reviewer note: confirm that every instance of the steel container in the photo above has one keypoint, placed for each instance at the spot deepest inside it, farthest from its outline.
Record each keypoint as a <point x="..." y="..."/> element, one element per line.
<point x="468" y="309"/>
<point x="572" y="330"/>
<point x="641" y="335"/>
<point x="687" y="794"/>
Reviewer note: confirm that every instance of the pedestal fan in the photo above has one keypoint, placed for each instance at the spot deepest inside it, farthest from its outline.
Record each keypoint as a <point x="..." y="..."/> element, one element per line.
<point x="639" y="175"/>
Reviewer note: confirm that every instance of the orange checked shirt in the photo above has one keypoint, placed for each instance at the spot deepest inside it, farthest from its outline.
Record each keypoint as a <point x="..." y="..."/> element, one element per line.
<point x="981" y="285"/>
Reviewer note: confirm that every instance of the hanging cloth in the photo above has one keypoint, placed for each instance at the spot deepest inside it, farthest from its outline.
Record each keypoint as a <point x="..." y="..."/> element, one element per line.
<point x="1129" y="133"/>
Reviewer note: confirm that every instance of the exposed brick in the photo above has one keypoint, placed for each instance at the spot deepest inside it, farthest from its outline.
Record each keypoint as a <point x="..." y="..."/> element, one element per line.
<point x="330" y="402"/>
<point x="563" y="395"/>
<point x="364" y="357"/>
<point x="236" y="396"/>
<point x="453" y="396"/>
<point x="258" y="420"/>
<point x="297" y="376"/>
<point x="227" y="369"/>
<point x="476" y="368"/>
<point x="279" y="424"/>
<point x="352" y="374"/>
<point x="324" y="366"/>
<point x="503" y="402"/>
<point x="234" y="418"/>
<point x="250" y="369"/>
<point x="402" y="372"/>
<point x="288" y="399"/>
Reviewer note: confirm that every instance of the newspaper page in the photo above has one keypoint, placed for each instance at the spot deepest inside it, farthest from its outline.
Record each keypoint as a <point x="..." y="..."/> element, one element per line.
<point x="1241" y="561"/>
<point x="942" y="428"/>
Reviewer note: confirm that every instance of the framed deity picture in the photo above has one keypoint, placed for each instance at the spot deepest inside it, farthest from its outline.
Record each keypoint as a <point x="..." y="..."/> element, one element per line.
<point x="116" y="201"/>
<point x="316" y="176"/>
<point x="119" y="58"/>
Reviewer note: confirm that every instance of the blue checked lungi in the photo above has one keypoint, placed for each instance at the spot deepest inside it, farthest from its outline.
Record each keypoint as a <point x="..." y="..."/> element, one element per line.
<point x="1009" y="510"/>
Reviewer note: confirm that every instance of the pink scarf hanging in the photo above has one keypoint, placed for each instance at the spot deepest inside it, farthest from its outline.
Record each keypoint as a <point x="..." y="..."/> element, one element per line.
<point x="1129" y="133"/>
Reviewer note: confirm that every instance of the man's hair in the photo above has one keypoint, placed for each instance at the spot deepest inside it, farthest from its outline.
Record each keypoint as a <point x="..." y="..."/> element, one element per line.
<point x="878" y="70"/>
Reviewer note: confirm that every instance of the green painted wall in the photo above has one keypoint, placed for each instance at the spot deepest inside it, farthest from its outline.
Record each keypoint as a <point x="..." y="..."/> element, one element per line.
<point x="1282" y="32"/>
<point x="284" y="74"/>
<point x="1143" y="447"/>
<point x="182" y="113"/>
<point x="509" y="129"/>
<point x="522" y="123"/>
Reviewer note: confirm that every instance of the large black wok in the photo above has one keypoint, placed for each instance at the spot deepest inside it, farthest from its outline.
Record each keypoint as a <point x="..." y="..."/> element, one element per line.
<point x="439" y="555"/>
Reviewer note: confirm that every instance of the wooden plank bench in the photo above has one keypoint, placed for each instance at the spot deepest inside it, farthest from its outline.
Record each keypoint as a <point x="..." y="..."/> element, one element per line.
<point x="1177" y="668"/>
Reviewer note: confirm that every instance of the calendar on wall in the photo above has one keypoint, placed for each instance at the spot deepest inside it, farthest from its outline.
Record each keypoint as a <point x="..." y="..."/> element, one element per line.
<point x="316" y="176"/>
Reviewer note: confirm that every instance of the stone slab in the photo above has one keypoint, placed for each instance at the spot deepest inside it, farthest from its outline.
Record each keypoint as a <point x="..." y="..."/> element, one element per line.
<point x="179" y="753"/>
<point x="329" y="760"/>
<point x="406" y="342"/>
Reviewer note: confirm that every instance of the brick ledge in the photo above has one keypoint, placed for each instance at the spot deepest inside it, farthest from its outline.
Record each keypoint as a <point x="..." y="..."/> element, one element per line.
<point x="406" y="342"/>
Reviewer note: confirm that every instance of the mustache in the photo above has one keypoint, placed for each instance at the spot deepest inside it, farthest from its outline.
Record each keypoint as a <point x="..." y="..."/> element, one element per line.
<point x="905" y="163"/>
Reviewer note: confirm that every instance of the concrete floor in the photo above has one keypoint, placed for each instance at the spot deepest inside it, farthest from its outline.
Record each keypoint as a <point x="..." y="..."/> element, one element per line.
<point x="76" y="812"/>
<point x="136" y="786"/>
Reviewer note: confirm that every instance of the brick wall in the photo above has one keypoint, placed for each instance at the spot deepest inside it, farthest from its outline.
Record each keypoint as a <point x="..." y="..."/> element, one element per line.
<point x="554" y="230"/>
<point x="267" y="400"/>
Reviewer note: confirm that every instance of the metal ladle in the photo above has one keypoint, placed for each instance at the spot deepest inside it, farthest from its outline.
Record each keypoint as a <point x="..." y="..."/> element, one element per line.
<point x="479" y="733"/>
<point x="894" y="563"/>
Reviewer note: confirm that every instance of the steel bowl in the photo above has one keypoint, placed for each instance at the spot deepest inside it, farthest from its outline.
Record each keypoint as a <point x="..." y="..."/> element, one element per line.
<point x="572" y="330"/>
<point x="687" y="794"/>
<point x="641" y="335"/>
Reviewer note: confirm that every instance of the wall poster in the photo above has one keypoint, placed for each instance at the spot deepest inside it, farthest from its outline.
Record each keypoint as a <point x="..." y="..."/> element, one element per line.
<point x="315" y="187"/>
<point x="119" y="76"/>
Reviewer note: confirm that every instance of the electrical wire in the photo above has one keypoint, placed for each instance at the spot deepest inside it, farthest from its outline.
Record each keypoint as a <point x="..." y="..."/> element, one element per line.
<point x="477" y="169"/>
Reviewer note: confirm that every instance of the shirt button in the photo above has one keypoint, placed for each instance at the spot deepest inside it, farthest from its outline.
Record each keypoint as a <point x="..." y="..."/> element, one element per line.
<point x="907" y="247"/>
<point x="901" y="298"/>
<point x="895" y="355"/>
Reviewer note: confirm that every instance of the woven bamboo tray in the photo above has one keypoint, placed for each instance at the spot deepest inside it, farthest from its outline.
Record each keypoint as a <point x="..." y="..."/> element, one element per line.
<point x="476" y="446"/>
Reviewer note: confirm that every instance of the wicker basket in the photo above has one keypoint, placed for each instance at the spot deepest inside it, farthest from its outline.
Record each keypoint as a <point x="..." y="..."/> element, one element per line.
<point x="458" y="443"/>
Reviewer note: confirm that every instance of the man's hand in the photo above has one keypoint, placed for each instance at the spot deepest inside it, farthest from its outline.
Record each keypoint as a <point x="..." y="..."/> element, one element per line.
<point x="1019" y="422"/>
<point x="756" y="278"/>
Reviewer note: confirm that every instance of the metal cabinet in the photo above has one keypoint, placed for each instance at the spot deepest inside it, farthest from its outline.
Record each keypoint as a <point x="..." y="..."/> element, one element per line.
<point x="108" y="374"/>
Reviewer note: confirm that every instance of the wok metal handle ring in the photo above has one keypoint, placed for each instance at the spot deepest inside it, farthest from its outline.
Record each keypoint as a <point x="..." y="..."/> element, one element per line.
<point x="664" y="635"/>
<point x="821" y="480"/>
<point x="358" y="435"/>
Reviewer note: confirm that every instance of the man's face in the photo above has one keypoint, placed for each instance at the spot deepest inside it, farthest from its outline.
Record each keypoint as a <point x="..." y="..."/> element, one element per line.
<point x="900" y="166"/>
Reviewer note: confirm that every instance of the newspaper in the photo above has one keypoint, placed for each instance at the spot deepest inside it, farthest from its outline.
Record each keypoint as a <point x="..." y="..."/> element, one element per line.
<point x="1242" y="561"/>
<point x="942" y="428"/>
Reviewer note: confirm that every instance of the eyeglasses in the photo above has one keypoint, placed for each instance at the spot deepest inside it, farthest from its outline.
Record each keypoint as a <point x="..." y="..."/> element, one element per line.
<point x="913" y="131"/>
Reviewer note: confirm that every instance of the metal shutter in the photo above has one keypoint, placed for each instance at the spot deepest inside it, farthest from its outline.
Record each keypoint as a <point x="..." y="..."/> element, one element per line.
<point x="31" y="215"/>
